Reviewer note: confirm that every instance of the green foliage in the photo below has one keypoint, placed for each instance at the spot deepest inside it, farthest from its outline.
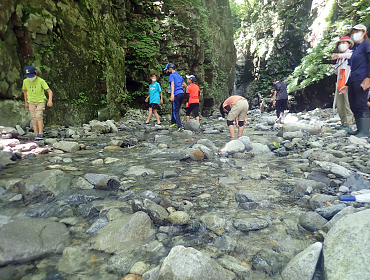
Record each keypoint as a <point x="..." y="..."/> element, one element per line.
<point x="82" y="99"/>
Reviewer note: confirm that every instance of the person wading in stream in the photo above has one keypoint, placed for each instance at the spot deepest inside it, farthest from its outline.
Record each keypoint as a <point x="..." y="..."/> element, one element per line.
<point x="343" y="71"/>
<point x="177" y="85"/>
<point x="358" y="83"/>
<point x="237" y="108"/>
<point x="280" y="98"/>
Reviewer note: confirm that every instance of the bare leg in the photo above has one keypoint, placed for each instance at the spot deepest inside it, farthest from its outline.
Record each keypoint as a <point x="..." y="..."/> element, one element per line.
<point x="232" y="131"/>
<point x="35" y="127"/>
<point x="197" y="118"/>
<point x="240" y="131"/>
<point x="187" y="118"/>
<point x="149" y="115"/>
<point x="156" y="116"/>
<point x="40" y="124"/>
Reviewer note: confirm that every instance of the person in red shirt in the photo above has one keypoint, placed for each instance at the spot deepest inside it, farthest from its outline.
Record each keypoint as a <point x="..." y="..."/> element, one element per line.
<point x="192" y="102"/>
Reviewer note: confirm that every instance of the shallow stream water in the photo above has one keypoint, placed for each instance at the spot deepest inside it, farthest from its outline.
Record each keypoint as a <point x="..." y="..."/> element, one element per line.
<point x="207" y="187"/>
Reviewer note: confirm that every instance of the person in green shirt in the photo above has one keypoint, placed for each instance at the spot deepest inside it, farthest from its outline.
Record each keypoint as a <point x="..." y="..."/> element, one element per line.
<point x="34" y="97"/>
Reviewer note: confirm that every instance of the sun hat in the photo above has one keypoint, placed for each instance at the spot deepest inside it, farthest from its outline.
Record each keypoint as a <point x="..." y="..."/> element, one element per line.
<point x="358" y="27"/>
<point x="169" y="65"/>
<point x="29" y="71"/>
<point x="191" y="78"/>
<point x="345" y="39"/>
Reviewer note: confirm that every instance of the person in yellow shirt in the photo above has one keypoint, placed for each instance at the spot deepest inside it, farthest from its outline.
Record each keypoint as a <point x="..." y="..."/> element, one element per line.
<point x="34" y="97"/>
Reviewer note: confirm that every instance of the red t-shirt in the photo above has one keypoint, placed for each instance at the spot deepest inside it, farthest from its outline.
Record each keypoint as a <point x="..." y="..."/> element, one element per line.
<point x="194" y="92"/>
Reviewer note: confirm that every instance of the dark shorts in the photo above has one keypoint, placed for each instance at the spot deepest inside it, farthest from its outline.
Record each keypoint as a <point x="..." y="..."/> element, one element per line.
<point x="154" y="105"/>
<point x="193" y="107"/>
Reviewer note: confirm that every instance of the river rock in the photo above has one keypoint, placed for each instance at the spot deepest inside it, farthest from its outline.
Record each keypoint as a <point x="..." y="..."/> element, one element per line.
<point x="179" y="218"/>
<point x="357" y="182"/>
<point x="208" y="143"/>
<point x="303" y="265"/>
<point x="24" y="240"/>
<point x="67" y="146"/>
<point x="112" y="126"/>
<point x="46" y="184"/>
<point x="213" y="222"/>
<point x="157" y="213"/>
<point x="247" y="143"/>
<point x="258" y="148"/>
<point x="72" y="259"/>
<point x="357" y="141"/>
<point x="311" y="221"/>
<point x="95" y="178"/>
<point x="139" y="171"/>
<point x="98" y="126"/>
<point x="346" y="211"/>
<point x="190" y="264"/>
<point x="124" y="233"/>
<point x="139" y="268"/>
<point x="249" y="224"/>
<point x="192" y="125"/>
<point x="234" y="146"/>
<point x="292" y="134"/>
<point x="347" y="248"/>
<point x="329" y="211"/>
<point x="319" y="200"/>
<point x="207" y="152"/>
<point x="333" y="168"/>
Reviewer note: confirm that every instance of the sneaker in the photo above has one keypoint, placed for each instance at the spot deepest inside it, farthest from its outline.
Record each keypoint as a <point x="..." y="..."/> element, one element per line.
<point x="180" y="129"/>
<point x="158" y="125"/>
<point x="145" y="123"/>
<point x="39" y="137"/>
<point x="172" y="125"/>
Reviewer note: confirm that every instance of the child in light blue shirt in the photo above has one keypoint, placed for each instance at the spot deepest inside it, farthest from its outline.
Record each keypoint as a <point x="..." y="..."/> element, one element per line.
<point x="155" y="98"/>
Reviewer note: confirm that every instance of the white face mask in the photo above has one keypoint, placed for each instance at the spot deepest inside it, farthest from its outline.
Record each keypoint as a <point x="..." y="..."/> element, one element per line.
<point x="154" y="80"/>
<point x="32" y="79"/>
<point x="343" y="47"/>
<point x="357" y="37"/>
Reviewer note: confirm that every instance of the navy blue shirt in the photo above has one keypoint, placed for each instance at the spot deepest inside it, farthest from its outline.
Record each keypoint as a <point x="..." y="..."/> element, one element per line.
<point x="281" y="93"/>
<point x="359" y="63"/>
<point x="176" y="77"/>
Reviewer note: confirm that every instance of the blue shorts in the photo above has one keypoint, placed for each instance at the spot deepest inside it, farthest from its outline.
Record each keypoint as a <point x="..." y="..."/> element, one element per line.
<point x="154" y="105"/>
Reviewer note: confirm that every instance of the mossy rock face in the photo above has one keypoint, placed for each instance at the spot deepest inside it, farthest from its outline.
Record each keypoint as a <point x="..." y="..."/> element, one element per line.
<point x="96" y="53"/>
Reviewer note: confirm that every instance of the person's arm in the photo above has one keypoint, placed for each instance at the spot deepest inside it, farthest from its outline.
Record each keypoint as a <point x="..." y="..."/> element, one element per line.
<point x="366" y="82"/>
<point x="172" y="97"/>
<point x="273" y="98"/>
<point x="183" y="85"/>
<point x="161" y="97"/>
<point x="50" y="101"/>
<point x="25" y="99"/>
<point x="341" y="55"/>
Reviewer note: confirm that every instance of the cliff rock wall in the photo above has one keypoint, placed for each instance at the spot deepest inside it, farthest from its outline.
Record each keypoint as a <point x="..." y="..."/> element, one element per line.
<point x="98" y="54"/>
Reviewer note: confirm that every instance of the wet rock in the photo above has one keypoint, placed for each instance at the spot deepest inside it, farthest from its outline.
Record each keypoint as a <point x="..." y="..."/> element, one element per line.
<point x="344" y="212"/>
<point x="226" y="181"/>
<point x="357" y="182"/>
<point x="213" y="222"/>
<point x="24" y="240"/>
<point x="268" y="261"/>
<point x="319" y="177"/>
<point x="207" y="152"/>
<point x="83" y="184"/>
<point x="259" y="148"/>
<point x="308" y="186"/>
<point x="151" y="274"/>
<point x="139" y="268"/>
<point x="139" y="171"/>
<point x="243" y="196"/>
<point x="46" y="210"/>
<point x="346" y="247"/>
<point x="357" y="141"/>
<point x="208" y="143"/>
<point x="112" y="126"/>
<point x="233" y="264"/>
<point x="108" y="184"/>
<point x="72" y="260"/>
<point x="249" y="224"/>
<point x="45" y="185"/>
<point x="234" y="146"/>
<point x="179" y="218"/>
<point x="169" y="174"/>
<point x="98" y="126"/>
<point x="188" y="263"/>
<point x="303" y="265"/>
<point x="329" y="211"/>
<point x="192" y="125"/>
<point x="124" y="233"/>
<point x="5" y="159"/>
<point x="97" y="225"/>
<point x="162" y="139"/>
<point x="247" y="143"/>
<point x="67" y="146"/>
<point x="196" y="154"/>
<point x="157" y="213"/>
<point x="270" y="120"/>
<point x="319" y="200"/>
<point x="95" y="178"/>
<point x="311" y="221"/>
<point x="333" y="168"/>
<point x="78" y="197"/>
<point x="292" y="134"/>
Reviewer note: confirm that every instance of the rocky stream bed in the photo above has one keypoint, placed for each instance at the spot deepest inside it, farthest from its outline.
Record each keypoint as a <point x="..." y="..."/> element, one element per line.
<point x="120" y="200"/>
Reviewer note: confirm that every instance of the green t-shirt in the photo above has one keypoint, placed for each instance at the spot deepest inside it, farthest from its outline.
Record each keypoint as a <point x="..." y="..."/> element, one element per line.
<point x="35" y="90"/>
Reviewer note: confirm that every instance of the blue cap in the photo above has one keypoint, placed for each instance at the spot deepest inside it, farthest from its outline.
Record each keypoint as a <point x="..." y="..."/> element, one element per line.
<point x="191" y="78"/>
<point x="169" y="65"/>
<point x="29" y="71"/>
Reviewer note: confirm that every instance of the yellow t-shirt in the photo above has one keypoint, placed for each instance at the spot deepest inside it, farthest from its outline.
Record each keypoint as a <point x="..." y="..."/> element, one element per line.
<point x="35" y="90"/>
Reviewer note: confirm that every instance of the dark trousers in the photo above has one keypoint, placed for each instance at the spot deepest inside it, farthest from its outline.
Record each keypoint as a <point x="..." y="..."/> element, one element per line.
<point x="176" y="105"/>
<point x="281" y="105"/>
<point x="358" y="100"/>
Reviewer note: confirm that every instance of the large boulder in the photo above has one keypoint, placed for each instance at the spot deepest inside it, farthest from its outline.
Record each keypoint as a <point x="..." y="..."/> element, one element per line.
<point x="67" y="146"/>
<point x="25" y="240"/>
<point x="189" y="264"/>
<point x="347" y="248"/>
<point x="303" y="265"/>
<point x="43" y="185"/>
<point x="124" y="233"/>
